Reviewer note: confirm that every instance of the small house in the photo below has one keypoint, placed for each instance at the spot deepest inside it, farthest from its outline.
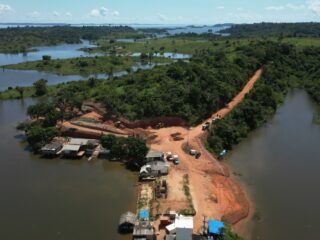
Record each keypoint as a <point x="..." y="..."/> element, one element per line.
<point x="153" y="170"/>
<point x="215" y="228"/>
<point x="144" y="230"/>
<point x="153" y="156"/>
<point x="78" y="141"/>
<point x="127" y="222"/>
<point x="182" y="227"/>
<point x="72" y="151"/>
<point x="52" y="149"/>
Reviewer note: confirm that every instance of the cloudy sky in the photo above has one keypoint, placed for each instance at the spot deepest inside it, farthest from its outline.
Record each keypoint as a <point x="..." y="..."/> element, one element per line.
<point x="160" y="11"/>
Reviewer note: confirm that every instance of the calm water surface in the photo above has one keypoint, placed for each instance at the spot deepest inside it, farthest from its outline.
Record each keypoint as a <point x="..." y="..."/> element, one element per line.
<point x="280" y="165"/>
<point x="60" y="51"/>
<point x="24" y="78"/>
<point x="57" y="199"/>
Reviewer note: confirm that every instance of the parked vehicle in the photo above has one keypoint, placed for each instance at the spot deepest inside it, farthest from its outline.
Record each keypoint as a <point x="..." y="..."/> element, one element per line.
<point x="205" y="126"/>
<point x="169" y="156"/>
<point x="198" y="155"/>
<point x="176" y="160"/>
<point x="193" y="152"/>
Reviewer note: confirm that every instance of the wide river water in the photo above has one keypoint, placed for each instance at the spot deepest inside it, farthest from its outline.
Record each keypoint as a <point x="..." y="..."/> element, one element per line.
<point x="279" y="164"/>
<point x="57" y="199"/>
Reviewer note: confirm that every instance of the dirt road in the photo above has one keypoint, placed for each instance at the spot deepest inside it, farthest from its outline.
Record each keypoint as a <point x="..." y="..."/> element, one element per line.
<point x="215" y="194"/>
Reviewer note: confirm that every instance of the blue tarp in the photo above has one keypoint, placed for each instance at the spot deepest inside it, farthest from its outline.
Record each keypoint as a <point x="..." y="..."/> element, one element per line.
<point x="144" y="214"/>
<point x="215" y="227"/>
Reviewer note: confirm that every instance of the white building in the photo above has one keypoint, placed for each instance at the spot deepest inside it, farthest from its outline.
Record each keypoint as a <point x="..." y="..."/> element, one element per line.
<point x="182" y="227"/>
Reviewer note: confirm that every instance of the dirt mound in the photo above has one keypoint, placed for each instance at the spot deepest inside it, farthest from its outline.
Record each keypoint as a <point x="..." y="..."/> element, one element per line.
<point x="154" y="122"/>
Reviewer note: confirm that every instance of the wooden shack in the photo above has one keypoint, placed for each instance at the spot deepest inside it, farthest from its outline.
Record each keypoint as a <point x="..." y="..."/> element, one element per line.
<point x="144" y="230"/>
<point x="127" y="222"/>
<point x="52" y="149"/>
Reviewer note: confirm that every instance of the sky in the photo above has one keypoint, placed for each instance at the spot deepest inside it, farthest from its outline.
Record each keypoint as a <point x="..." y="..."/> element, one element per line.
<point x="159" y="11"/>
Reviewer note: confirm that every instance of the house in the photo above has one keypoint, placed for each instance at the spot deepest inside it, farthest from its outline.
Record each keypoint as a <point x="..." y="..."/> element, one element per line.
<point x="83" y="142"/>
<point x="215" y="228"/>
<point x="144" y="230"/>
<point x="52" y="149"/>
<point x="72" y="151"/>
<point x="127" y="222"/>
<point x="153" y="156"/>
<point x="182" y="227"/>
<point x="153" y="170"/>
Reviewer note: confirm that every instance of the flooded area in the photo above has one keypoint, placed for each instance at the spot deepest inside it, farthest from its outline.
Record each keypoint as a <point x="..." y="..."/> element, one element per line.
<point x="60" y="51"/>
<point x="57" y="199"/>
<point x="279" y="164"/>
<point x="24" y="78"/>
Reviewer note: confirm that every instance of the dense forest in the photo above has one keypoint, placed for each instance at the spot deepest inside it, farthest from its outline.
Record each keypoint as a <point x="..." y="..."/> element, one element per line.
<point x="194" y="89"/>
<point x="274" y="30"/>
<point x="189" y="90"/>
<point x="284" y="68"/>
<point x="16" y="40"/>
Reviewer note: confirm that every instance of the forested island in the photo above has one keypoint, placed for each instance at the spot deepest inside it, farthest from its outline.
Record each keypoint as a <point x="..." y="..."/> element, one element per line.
<point x="24" y="39"/>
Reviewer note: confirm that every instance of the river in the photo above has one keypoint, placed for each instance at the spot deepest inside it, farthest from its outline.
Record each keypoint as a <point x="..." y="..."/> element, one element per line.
<point x="57" y="199"/>
<point x="279" y="164"/>
<point x="24" y="78"/>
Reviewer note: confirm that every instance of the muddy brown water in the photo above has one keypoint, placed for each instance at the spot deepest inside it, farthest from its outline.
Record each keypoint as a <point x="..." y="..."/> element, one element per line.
<point x="279" y="165"/>
<point x="57" y="199"/>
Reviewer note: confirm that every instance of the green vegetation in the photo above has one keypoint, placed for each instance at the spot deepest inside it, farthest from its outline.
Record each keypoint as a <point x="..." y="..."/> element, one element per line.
<point x="16" y="40"/>
<point x="186" y="189"/>
<point x="133" y="149"/>
<point x="87" y="65"/>
<point x="229" y="235"/>
<point x="275" y="29"/>
<point x="40" y="87"/>
<point x="285" y="67"/>
<point x="187" y="45"/>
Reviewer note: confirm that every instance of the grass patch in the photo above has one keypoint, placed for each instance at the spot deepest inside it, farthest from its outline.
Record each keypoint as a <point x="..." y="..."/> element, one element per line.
<point x="186" y="189"/>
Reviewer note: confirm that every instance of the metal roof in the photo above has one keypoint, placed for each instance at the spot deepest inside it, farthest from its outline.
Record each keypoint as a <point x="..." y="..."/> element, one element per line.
<point x="69" y="147"/>
<point x="154" y="154"/>
<point x="128" y="217"/>
<point x="51" y="146"/>
<point x="184" y="222"/>
<point x="78" y="141"/>
<point x="215" y="227"/>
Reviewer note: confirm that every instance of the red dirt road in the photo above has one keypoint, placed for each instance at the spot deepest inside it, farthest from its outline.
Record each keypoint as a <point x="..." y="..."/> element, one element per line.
<point x="215" y="194"/>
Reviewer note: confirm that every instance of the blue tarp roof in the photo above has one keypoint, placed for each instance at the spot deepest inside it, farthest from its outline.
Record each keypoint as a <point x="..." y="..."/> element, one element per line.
<point x="215" y="227"/>
<point x="144" y="214"/>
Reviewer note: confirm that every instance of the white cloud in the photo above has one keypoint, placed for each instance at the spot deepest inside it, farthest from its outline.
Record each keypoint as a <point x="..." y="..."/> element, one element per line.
<point x="4" y="9"/>
<point x="115" y="13"/>
<point x="103" y="12"/>
<point x="295" y="7"/>
<point x="275" y="8"/>
<point x="284" y="7"/>
<point x="56" y="14"/>
<point x="68" y="14"/>
<point x="314" y="6"/>
<point x="34" y="14"/>
<point x="220" y="7"/>
<point x="162" y="17"/>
